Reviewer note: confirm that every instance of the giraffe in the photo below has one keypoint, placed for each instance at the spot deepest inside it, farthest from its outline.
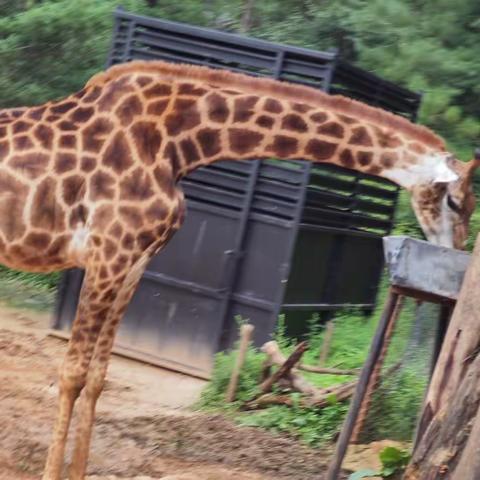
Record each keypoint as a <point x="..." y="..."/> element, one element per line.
<point x="91" y="181"/>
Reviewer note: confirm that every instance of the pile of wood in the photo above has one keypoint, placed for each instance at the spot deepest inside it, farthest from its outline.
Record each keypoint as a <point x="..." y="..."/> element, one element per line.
<point x="288" y="378"/>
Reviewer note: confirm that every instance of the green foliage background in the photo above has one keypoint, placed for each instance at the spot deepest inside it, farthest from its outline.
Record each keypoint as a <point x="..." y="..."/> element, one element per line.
<point x="49" y="48"/>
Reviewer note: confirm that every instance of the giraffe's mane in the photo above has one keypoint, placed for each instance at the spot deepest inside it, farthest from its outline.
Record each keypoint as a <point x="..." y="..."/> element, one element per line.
<point x="275" y="88"/>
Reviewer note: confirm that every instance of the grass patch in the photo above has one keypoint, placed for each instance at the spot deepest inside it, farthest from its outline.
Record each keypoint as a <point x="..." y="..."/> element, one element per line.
<point x="28" y="290"/>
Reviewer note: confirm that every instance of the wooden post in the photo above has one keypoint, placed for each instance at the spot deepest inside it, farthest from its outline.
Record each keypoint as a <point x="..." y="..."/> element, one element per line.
<point x="246" y="331"/>
<point x="363" y="383"/>
<point x="449" y="430"/>
<point x="327" y="340"/>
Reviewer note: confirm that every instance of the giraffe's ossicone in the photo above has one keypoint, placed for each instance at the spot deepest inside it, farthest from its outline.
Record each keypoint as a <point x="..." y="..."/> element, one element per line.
<point x="91" y="181"/>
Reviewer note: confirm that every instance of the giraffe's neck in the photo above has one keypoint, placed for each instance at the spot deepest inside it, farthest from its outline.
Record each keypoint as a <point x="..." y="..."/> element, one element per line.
<point x="206" y="124"/>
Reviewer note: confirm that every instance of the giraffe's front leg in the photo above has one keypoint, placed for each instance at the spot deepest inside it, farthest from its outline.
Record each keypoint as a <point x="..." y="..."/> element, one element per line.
<point x="99" y="363"/>
<point x="73" y="373"/>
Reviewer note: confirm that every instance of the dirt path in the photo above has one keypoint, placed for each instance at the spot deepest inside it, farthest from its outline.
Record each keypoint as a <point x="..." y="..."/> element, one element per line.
<point x="138" y="434"/>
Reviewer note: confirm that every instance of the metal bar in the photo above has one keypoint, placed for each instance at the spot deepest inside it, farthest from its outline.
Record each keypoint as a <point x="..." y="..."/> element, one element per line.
<point x="324" y="306"/>
<point x="375" y="376"/>
<point x="116" y="29"/>
<point x="191" y="286"/>
<point x="225" y="331"/>
<point x="253" y="301"/>
<point x="375" y="350"/>
<point x="222" y="37"/>
<point x="330" y="229"/>
<point x="128" y="43"/>
<point x="277" y="70"/>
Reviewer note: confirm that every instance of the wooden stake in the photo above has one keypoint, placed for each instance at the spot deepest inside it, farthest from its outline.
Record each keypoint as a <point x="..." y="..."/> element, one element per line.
<point x="327" y="340"/>
<point x="246" y="331"/>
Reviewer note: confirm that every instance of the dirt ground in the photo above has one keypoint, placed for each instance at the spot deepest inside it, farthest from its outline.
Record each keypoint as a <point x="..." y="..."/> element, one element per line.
<point x="143" y="431"/>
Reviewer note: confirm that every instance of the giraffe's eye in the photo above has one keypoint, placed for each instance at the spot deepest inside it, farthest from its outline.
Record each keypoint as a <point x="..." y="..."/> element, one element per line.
<point x="453" y="205"/>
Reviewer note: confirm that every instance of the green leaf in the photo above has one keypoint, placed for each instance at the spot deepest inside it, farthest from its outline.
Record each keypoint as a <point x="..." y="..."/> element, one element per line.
<point x="391" y="456"/>
<point x="368" y="472"/>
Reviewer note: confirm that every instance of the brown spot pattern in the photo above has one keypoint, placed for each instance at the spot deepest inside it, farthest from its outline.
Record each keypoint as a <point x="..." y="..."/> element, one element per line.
<point x="94" y="135"/>
<point x="88" y="164"/>
<point x="148" y="141"/>
<point x="68" y="141"/>
<point x="243" y="141"/>
<point x="185" y="116"/>
<point x="101" y="186"/>
<point x="81" y="114"/>
<point x="319" y="117"/>
<point x="44" y="134"/>
<point x="158" y="90"/>
<point x="191" y="89"/>
<point x="364" y="158"/>
<point x="283" y="146"/>
<point x="320" y="150"/>
<point x="31" y="165"/>
<point x="346" y="158"/>
<point x="294" y="122"/>
<point x="73" y="189"/>
<point x="117" y="155"/>
<point x="172" y="155"/>
<point x="361" y="137"/>
<point x="22" y="142"/>
<point x="65" y="162"/>
<point x="332" y="129"/>
<point x="209" y="140"/>
<point x="64" y="107"/>
<point x="217" y="109"/>
<point x="137" y="185"/>
<point x="45" y="213"/>
<point x="157" y="107"/>
<point x="13" y="194"/>
<point x="20" y="126"/>
<point x="265" y="121"/>
<point x="273" y="106"/>
<point x="243" y="108"/>
<point x="189" y="151"/>
<point x="38" y="240"/>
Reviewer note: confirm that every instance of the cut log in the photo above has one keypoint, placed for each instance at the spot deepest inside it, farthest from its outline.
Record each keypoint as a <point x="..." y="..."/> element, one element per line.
<point x="328" y="371"/>
<point x="321" y="399"/>
<point x="449" y="432"/>
<point x="285" y="369"/>
<point x="276" y="357"/>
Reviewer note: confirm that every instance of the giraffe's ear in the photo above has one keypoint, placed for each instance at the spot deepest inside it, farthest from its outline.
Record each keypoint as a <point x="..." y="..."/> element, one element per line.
<point x="472" y="165"/>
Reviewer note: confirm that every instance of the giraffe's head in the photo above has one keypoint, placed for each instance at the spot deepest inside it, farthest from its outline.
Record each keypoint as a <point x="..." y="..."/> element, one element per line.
<point x="444" y="207"/>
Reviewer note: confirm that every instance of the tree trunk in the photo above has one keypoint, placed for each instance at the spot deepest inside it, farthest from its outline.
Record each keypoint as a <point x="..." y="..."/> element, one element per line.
<point x="448" y="436"/>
